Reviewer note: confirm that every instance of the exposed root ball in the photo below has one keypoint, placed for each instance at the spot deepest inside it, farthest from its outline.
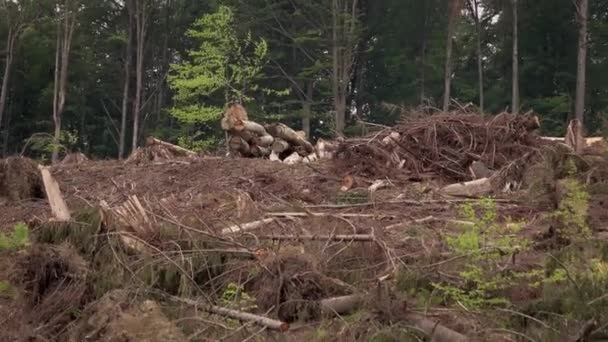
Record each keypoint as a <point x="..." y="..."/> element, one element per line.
<point x="20" y="179"/>
<point x="291" y="283"/>
<point x="54" y="279"/>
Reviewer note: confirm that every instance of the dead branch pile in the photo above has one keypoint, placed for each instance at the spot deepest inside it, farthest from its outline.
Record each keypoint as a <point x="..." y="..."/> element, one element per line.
<point x="158" y="150"/>
<point x="443" y="145"/>
<point x="277" y="141"/>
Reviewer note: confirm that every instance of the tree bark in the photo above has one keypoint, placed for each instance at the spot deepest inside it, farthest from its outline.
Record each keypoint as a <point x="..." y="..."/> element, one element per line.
<point x="65" y="32"/>
<point x="475" y="11"/>
<point x="141" y="18"/>
<point x="343" y="44"/>
<point x="582" y="9"/>
<point x="306" y="107"/>
<point x="515" y="71"/>
<point x="7" y="129"/>
<point x="10" y="44"/>
<point x="454" y="12"/>
<point x="423" y="57"/>
<point x="127" y="82"/>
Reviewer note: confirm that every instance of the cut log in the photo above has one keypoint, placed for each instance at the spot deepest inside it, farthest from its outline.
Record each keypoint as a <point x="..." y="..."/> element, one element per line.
<point x="53" y="194"/>
<point x="289" y="135"/>
<point x="239" y="228"/>
<point x="174" y="148"/>
<point x="348" y="182"/>
<point x="294" y="158"/>
<point x="347" y="238"/>
<point x="326" y="149"/>
<point x="476" y="188"/>
<point x="239" y="315"/>
<point x="435" y="331"/>
<point x="263" y="140"/>
<point x="259" y="151"/>
<point x="238" y="144"/>
<point x="250" y="126"/>
<point x="340" y="305"/>
<point x="279" y="145"/>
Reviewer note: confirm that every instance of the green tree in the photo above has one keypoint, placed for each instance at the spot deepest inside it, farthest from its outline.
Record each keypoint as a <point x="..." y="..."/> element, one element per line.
<point x="223" y="63"/>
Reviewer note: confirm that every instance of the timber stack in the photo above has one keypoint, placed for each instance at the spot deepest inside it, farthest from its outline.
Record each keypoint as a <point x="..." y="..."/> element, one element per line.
<point x="276" y="141"/>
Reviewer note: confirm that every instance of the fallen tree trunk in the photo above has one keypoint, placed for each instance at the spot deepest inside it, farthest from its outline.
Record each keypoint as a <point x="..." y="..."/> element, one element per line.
<point x="340" y="305"/>
<point x="248" y="317"/>
<point x="239" y="228"/>
<point x="353" y="237"/>
<point x="476" y="188"/>
<point x="282" y="131"/>
<point x="173" y="148"/>
<point x="53" y="194"/>
<point x="235" y="314"/>
<point x="435" y="331"/>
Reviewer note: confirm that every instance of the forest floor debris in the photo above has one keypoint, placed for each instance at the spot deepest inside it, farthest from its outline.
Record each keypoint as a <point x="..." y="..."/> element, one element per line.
<point x="167" y="244"/>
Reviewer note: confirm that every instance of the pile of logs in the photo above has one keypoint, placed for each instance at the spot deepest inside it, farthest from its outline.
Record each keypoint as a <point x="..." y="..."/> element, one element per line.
<point x="277" y="141"/>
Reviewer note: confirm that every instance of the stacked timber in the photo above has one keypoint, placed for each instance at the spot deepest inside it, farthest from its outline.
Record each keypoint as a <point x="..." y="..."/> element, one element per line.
<point x="275" y="141"/>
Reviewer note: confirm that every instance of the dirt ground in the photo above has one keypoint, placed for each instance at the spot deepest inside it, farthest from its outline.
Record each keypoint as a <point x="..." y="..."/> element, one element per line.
<point x="407" y="218"/>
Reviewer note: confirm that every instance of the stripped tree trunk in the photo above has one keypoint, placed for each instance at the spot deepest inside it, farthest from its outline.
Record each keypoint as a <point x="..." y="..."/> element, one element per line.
<point x="454" y="12"/>
<point x="582" y="9"/>
<point x="65" y="31"/>
<point x="141" y="19"/>
<point x="127" y="82"/>
<point x="515" y="71"/>
<point x="475" y="11"/>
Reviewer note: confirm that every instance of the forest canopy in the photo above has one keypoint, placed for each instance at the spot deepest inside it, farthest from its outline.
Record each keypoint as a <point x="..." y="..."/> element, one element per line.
<point x="100" y="76"/>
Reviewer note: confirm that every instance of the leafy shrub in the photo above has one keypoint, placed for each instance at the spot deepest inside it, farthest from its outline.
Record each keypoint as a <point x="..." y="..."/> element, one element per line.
<point x="484" y="245"/>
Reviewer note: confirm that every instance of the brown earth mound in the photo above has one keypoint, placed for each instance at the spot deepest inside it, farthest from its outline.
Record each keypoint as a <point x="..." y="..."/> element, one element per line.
<point x="20" y="179"/>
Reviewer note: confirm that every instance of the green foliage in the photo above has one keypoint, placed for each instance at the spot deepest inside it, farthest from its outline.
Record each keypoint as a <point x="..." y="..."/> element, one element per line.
<point x="571" y="214"/>
<point x="17" y="239"/>
<point x="43" y="144"/>
<point x="191" y="143"/>
<point x="222" y="62"/>
<point x="484" y="245"/>
<point x="234" y="297"/>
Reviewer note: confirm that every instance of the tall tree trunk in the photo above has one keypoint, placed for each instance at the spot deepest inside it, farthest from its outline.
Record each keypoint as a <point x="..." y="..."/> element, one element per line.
<point x="475" y="7"/>
<point x="515" y="71"/>
<point x="344" y="24"/>
<point x="453" y="13"/>
<point x="306" y="107"/>
<point x="335" y="77"/>
<point x="127" y="82"/>
<point x="141" y="18"/>
<point x="582" y="9"/>
<point x="7" y="129"/>
<point x="423" y="56"/>
<point x="10" y="46"/>
<point x="65" y="32"/>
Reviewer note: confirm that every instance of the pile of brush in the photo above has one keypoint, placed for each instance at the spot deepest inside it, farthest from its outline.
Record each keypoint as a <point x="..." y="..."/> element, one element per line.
<point x="444" y="145"/>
